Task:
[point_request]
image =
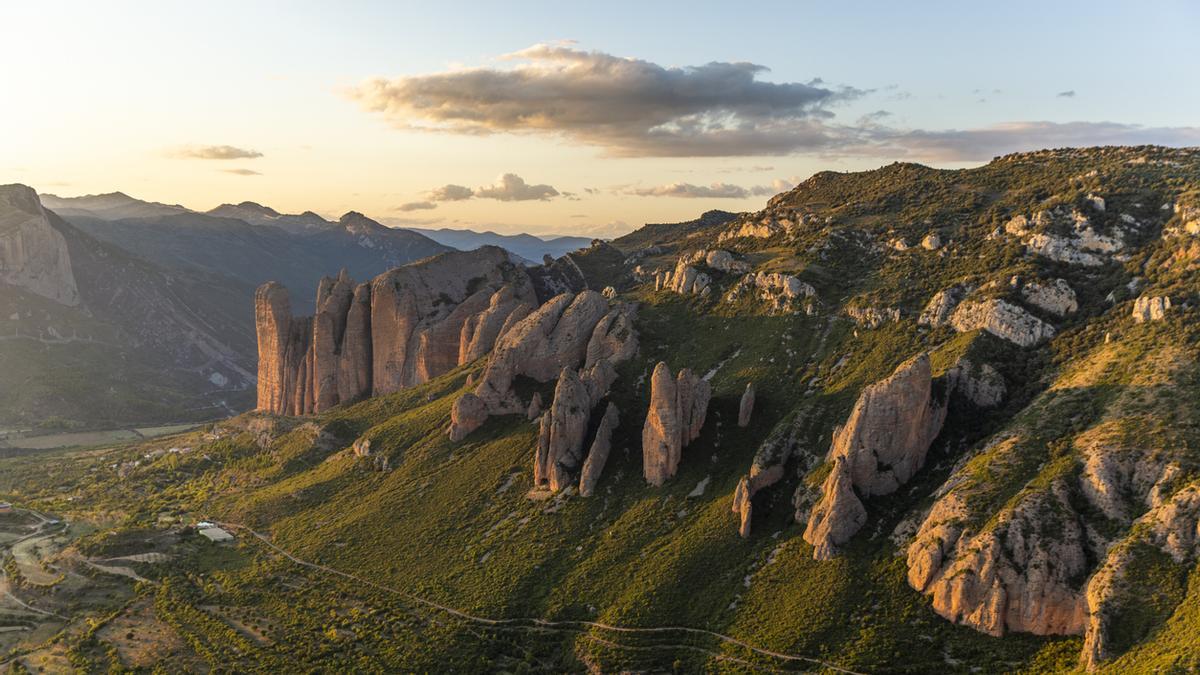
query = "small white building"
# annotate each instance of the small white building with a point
(216, 534)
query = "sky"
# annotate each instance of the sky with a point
(565, 117)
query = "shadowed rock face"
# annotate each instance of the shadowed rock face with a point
(678, 407)
(33, 255)
(403, 328)
(598, 454)
(880, 448)
(563, 427)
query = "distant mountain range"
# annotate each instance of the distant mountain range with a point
(527, 246)
(115, 310)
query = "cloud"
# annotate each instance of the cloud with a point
(636, 108)
(242, 172)
(1070, 93)
(714, 191)
(986, 142)
(417, 206)
(512, 188)
(451, 193)
(213, 152)
(508, 188)
(630, 107)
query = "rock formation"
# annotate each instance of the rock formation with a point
(873, 317)
(743, 507)
(939, 308)
(784, 292)
(562, 430)
(406, 326)
(1148, 308)
(1002, 319)
(980, 384)
(881, 446)
(33, 254)
(535, 407)
(1056, 296)
(566, 332)
(597, 456)
(466, 415)
(746, 407)
(678, 407)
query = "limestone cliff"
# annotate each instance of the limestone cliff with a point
(33, 254)
(402, 328)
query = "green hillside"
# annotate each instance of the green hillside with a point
(438, 559)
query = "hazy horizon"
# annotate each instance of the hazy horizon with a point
(592, 121)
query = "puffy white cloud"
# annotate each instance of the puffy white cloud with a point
(512, 188)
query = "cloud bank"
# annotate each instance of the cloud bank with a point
(714, 190)
(629, 106)
(213, 152)
(635, 108)
(508, 188)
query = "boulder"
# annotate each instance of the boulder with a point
(468, 414)
(597, 456)
(747, 406)
(931, 242)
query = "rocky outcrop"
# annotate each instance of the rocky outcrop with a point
(767, 468)
(552, 337)
(562, 431)
(873, 317)
(743, 506)
(1173, 528)
(480, 331)
(939, 308)
(1002, 319)
(881, 446)
(980, 384)
(535, 407)
(405, 327)
(839, 514)
(684, 280)
(1055, 297)
(567, 332)
(783, 292)
(597, 455)
(1083, 246)
(1148, 308)
(467, 414)
(334, 297)
(746, 407)
(415, 330)
(1016, 575)
(931, 242)
(614, 338)
(33, 254)
(678, 406)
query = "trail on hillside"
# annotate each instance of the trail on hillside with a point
(540, 623)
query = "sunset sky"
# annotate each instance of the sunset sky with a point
(559, 117)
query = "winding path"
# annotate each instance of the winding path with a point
(539, 622)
